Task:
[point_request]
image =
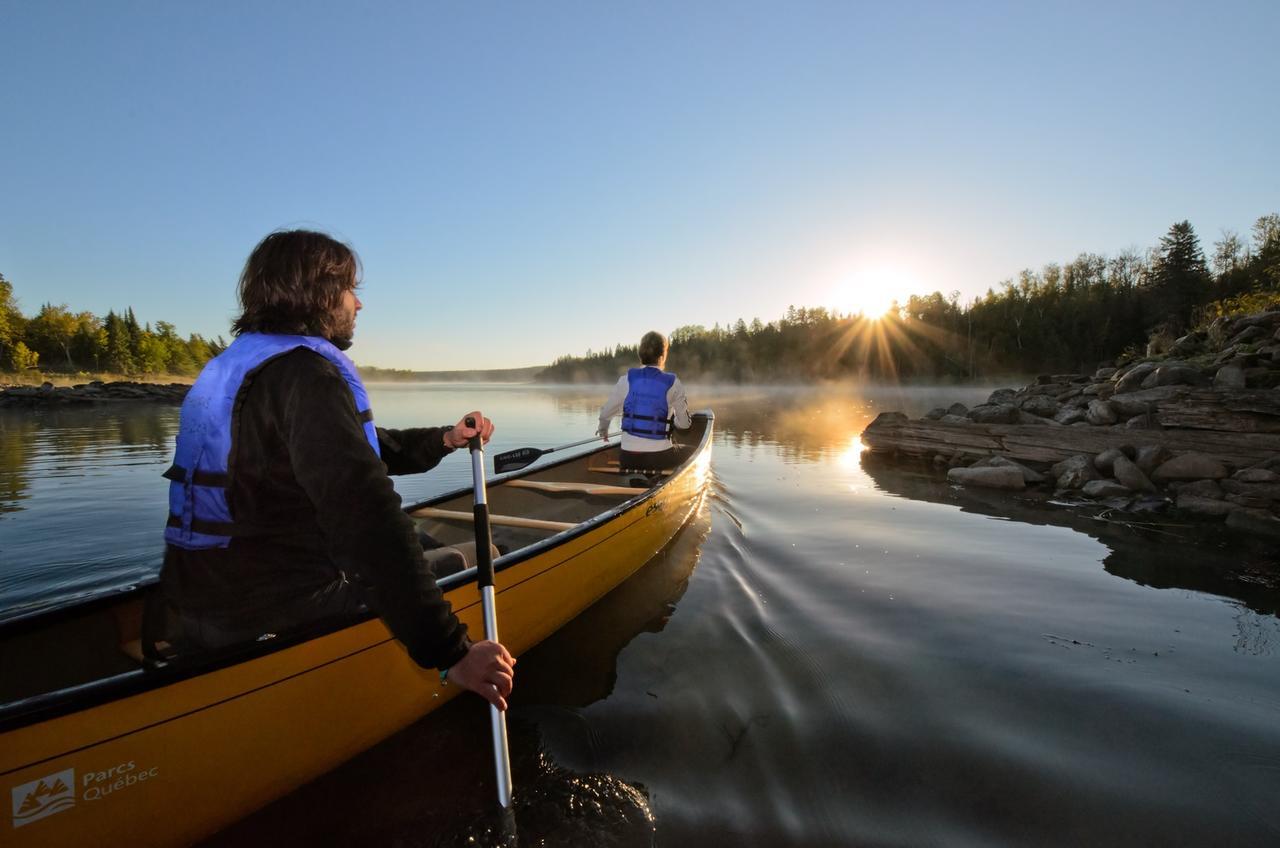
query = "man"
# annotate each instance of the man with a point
(281, 510)
(651, 401)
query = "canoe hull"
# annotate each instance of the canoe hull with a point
(174, 764)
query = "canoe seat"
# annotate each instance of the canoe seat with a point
(580, 488)
(499, 520)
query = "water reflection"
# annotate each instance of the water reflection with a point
(1160, 553)
(432, 784)
(17, 449)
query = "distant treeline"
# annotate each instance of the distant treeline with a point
(494, 375)
(57, 339)
(1059, 319)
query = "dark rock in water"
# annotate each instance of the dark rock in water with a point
(935, 413)
(958, 409)
(1030, 476)
(990, 477)
(1071, 415)
(1190, 466)
(1204, 506)
(1262, 490)
(1254, 521)
(1200, 488)
(1104, 489)
(1149, 503)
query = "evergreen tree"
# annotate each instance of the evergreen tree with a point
(1179, 279)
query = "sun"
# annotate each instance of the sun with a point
(873, 291)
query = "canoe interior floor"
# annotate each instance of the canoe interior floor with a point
(69, 652)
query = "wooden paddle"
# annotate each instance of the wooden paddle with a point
(514, 460)
(484, 580)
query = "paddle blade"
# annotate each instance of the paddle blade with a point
(514, 460)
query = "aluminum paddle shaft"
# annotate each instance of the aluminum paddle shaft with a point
(484, 580)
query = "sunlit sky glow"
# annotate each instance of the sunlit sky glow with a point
(528, 180)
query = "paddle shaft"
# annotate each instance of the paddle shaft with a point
(484, 580)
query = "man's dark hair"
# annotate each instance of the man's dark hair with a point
(292, 283)
(653, 346)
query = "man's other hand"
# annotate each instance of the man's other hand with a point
(461, 433)
(487, 669)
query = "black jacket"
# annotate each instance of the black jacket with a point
(300, 465)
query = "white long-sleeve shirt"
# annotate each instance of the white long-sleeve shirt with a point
(677, 408)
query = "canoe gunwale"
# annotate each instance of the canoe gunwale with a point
(50, 705)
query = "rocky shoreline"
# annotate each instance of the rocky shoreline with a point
(97, 391)
(1192, 430)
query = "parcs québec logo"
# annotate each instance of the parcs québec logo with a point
(42, 798)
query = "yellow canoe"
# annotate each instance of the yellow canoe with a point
(98, 747)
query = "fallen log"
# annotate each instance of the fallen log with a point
(893, 432)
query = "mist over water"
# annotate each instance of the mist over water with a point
(832, 652)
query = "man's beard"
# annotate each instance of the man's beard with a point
(342, 334)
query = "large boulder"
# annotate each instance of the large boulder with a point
(1150, 456)
(988, 477)
(1101, 413)
(1107, 458)
(1070, 415)
(1005, 413)
(1147, 400)
(1000, 396)
(1174, 374)
(1256, 475)
(1042, 405)
(957, 409)
(1131, 379)
(1074, 472)
(1129, 475)
(1190, 466)
(1230, 376)
(1254, 333)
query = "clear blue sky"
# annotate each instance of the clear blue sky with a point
(524, 180)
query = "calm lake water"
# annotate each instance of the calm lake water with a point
(833, 652)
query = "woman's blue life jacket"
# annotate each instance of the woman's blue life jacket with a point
(199, 515)
(644, 412)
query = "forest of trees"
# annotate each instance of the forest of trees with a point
(56, 339)
(1066, 318)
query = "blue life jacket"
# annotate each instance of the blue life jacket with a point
(199, 515)
(644, 412)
